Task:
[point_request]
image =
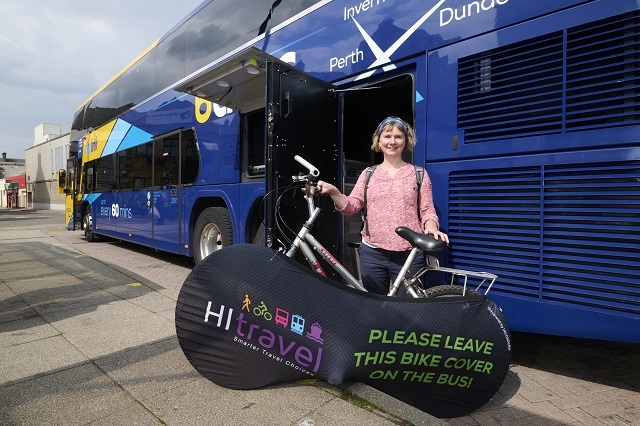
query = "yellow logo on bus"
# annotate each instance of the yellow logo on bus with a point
(204, 108)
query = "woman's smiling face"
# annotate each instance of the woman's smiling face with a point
(392, 141)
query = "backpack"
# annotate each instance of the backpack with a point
(370, 170)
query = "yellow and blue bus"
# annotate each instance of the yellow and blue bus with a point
(526, 112)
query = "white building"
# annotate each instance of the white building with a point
(49, 153)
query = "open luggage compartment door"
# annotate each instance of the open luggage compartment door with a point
(302, 119)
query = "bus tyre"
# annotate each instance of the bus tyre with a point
(89, 235)
(212, 232)
(258, 238)
(450, 291)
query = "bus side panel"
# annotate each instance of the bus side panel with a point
(541, 318)
(165, 219)
(561, 232)
(68, 212)
(132, 213)
(100, 207)
(532, 152)
(122, 215)
(503, 93)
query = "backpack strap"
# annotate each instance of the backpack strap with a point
(419, 176)
(363, 214)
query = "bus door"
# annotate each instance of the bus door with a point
(68, 185)
(165, 192)
(302, 119)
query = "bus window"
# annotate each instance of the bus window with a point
(134, 167)
(190, 158)
(105, 174)
(252, 138)
(62, 181)
(165, 157)
(88, 178)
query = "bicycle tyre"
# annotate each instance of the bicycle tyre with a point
(449, 291)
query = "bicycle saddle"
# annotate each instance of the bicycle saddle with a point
(427, 243)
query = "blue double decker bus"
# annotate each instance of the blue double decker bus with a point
(526, 113)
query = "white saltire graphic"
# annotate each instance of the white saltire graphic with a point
(383, 57)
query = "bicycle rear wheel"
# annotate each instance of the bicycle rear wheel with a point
(449, 291)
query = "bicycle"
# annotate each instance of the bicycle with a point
(305, 242)
(261, 310)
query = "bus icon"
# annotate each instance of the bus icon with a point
(282, 317)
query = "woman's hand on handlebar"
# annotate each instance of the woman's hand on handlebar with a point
(325, 188)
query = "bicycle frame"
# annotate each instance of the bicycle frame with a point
(305, 241)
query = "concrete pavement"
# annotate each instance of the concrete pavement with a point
(83, 342)
(88, 341)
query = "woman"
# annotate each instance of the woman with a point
(391, 201)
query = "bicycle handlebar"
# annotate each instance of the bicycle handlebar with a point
(313, 171)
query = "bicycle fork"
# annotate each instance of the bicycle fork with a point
(298, 243)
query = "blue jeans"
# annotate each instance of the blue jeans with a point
(379, 268)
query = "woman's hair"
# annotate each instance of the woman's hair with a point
(398, 123)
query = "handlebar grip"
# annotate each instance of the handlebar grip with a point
(312, 169)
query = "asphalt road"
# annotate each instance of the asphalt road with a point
(29, 219)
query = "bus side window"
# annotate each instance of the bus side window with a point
(165, 158)
(190, 158)
(133, 168)
(89, 181)
(105, 178)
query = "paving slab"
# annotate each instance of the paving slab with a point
(99, 330)
(136, 416)
(20, 331)
(41, 357)
(75, 396)
(149, 370)
(204, 403)
(8, 258)
(12, 307)
(58, 283)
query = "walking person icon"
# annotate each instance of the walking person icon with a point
(246, 303)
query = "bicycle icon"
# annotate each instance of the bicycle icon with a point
(261, 310)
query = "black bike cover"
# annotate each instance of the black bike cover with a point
(248, 317)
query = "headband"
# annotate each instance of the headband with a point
(390, 120)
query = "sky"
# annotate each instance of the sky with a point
(56, 54)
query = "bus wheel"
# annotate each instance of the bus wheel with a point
(88, 226)
(449, 291)
(212, 232)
